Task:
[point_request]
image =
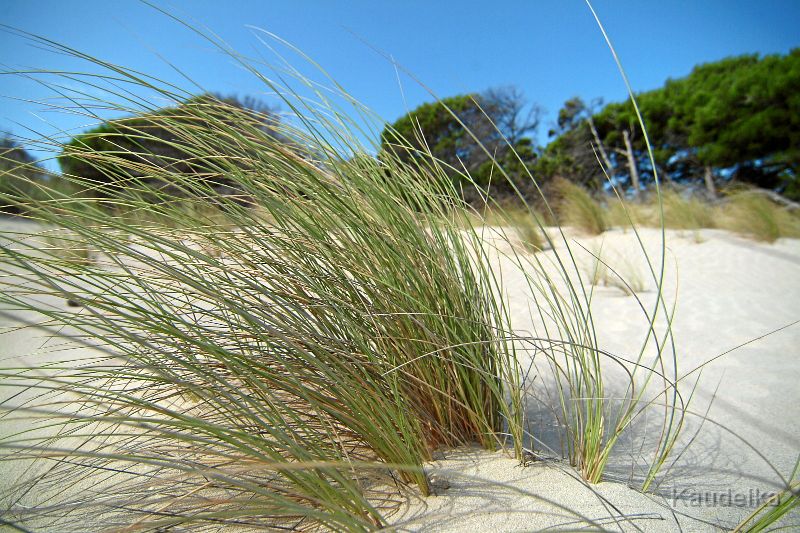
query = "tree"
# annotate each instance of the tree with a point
(128, 149)
(512, 115)
(473, 135)
(739, 116)
(744, 113)
(576, 146)
(19, 176)
(618, 128)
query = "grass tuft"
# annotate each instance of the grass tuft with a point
(624, 214)
(686, 213)
(773, 509)
(287, 353)
(614, 270)
(578, 209)
(757, 217)
(68, 246)
(524, 223)
(289, 356)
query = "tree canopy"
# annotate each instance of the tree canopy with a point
(467, 134)
(743, 113)
(19, 174)
(571, 154)
(112, 152)
(738, 117)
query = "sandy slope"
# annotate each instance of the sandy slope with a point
(729, 291)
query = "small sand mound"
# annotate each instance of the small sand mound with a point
(492, 492)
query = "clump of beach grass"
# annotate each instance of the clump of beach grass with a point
(298, 369)
(578, 209)
(614, 270)
(755, 216)
(68, 246)
(288, 368)
(623, 214)
(687, 213)
(528, 231)
(523, 221)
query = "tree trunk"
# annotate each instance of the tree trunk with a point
(709, 179)
(600, 147)
(631, 163)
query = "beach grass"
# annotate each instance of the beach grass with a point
(521, 220)
(288, 367)
(577, 208)
(614, 270)
(686, 213)
(767, 515)
(757, 217)
(291, 355)
(620, 213)
(746, 212)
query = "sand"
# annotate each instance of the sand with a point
(730, 291)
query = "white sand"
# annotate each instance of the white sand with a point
(491, 492)
(729, 291)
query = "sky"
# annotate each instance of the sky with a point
(390, 55)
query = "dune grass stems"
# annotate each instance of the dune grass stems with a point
(686, 213)
(287, 354)
(585, 409)
(774, 508)
(527, 227)
(578, 209)
(756, 217)
(330, 328)
(674, 405)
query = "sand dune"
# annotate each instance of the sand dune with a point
(729, 292)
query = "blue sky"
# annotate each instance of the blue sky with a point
(550, 49)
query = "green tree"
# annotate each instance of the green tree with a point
(576, 151)
(20, 176)
(744, 112)
(740, 115)
(479, 136)
(110, 153)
